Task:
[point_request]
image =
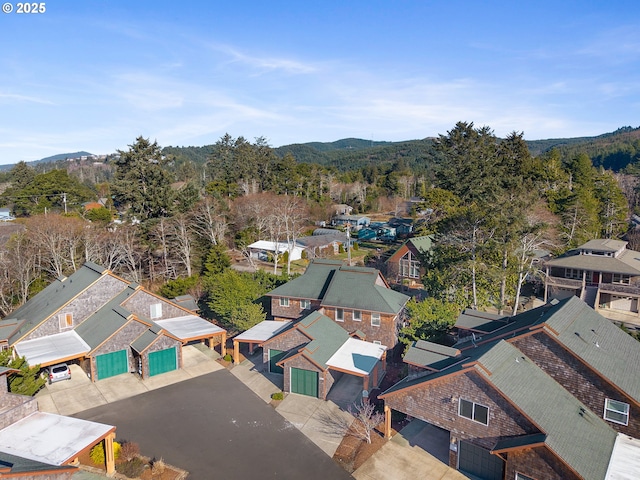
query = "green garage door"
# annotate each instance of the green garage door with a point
(304, 382)
(479, 462)
(163, 361)
(111, 364)
(274, 357)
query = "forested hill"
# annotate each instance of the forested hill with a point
(612, 151)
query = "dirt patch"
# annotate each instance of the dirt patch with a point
(353, 452)
(170, 472)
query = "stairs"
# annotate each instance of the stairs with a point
(589, 295)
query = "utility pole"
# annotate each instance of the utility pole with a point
(349, 244)
(64, 200)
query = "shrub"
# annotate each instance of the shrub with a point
(132, 469)
(277, 396)
(158, 467)
(341, 249)
(97, 453)
(227, 358)
(356, 247)
(129, 450)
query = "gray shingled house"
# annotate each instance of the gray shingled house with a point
(105, 324)
(551, 393)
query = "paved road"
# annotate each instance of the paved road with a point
(215, 427)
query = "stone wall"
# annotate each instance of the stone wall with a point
(81, 307)
(581, 381)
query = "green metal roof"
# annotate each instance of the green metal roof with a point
(423, 244)
(52, 298)
(327, 337)
(478, 321)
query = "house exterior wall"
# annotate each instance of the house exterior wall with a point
(538, 463)
(15, 408)
(140, 304)
(325, 380)
(120, 341)
(162, 343)
(581, 381)
(81, 307)
(437, 402)
(52, 475)
(285, 342)
(386, 333)
(293, 311)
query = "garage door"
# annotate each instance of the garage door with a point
(479, 462)
(163, 361)
(274, 357)
(304, 382)
(111, 364)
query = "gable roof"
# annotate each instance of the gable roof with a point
(627, 262)
(422, 244)
(339, 285)
(52, 298)
(574, 433)
(326, 337)
(431, 355)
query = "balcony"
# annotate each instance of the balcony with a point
(564, 282)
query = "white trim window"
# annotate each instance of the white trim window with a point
(284, 302)
(339, 314)
(375, 319)
(155, 311)
(573, 273)
(616, 412)
(520, 476)
(65, 320)
(357, 315)
(621, 279)
(473, 411)
(305, 304)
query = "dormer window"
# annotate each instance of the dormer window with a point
(155, 311)
(65, 320)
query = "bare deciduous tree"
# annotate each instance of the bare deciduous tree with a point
(367, 419)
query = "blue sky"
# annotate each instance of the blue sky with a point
(94, 74)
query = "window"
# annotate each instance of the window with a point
(618, 278)
(284, 302)
(617, 412)
(339, 315)
(520, 476)
(377, 342)
(375, 319)
(305, 304)
(573, 273)
(65, 320)
(156, 310)
(357, 315)
(473, 411)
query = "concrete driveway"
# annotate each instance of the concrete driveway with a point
(215, 427)
(72, 396)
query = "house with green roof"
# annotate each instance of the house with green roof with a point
(406, 264)
(528, 395)
(316, 352)
(107, 325)
(357, 298)
(602, 272)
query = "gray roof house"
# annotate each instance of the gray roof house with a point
(551, 393)
(105, 324)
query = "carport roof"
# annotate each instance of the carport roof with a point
(189, 327)
(15, 465)
(263, 331)
(49, 350)
(51, 439)
(357, 356)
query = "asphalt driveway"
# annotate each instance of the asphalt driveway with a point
(216, 427)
